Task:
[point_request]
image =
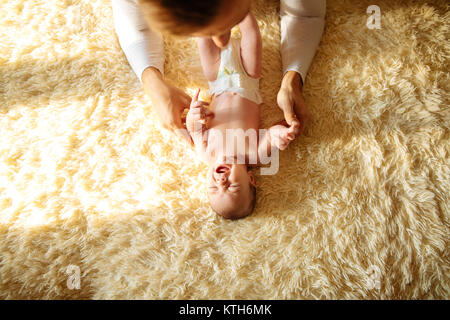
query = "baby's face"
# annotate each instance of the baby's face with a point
(229, 189)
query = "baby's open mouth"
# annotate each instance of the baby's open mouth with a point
(222, 168)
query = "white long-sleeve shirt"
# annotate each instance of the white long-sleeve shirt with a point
(302, 23)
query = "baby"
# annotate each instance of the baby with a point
(233, 74)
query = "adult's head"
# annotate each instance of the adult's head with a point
(200, 18)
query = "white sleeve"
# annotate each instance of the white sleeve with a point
(302, 24)
(142, 47)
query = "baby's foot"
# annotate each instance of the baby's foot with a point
(281, 136)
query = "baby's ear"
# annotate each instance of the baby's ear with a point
(252, 178)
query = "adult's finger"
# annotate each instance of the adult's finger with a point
(208, 113)
(302, 113)
(295, 127)
(186, 102)
(183, 134)
(289, 115)
(286, 104)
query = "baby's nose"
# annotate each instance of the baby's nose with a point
(221, 178)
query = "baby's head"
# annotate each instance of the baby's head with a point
(231, 190)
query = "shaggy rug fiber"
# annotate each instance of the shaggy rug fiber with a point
(91, 183)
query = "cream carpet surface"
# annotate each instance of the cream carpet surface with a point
(90, 181)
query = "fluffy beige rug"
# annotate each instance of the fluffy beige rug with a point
(90, 181)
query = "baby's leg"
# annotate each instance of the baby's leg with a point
(209, 57)
(251, 46)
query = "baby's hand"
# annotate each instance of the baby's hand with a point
(198, 114)
(281, 136)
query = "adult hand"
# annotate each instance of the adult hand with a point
(291, 102)
(168, 101)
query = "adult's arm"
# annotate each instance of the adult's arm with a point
(302, 24)
(144, 50)
(142, 47)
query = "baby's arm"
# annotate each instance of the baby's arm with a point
(277, 136)
(251, 46)
(196, 123)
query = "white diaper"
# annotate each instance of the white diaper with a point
(232, 76)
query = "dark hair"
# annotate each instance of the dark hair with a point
(181, 17)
